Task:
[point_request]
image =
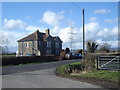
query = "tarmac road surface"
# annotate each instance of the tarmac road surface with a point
(39, 76)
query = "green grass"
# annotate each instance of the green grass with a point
(61, 70)
(97, 74)
(101, 74)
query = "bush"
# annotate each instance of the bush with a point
(79, 51)
(73, 68)
(62, 54)
(69, 68)
(89, 62)
(91, 46)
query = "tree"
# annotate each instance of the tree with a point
(91, 46)
(105, 47)
(4, 42)
(67, 50)
(62, 54)
(79, 51)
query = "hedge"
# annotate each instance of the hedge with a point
(27, 59)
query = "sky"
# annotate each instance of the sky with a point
(20, 19)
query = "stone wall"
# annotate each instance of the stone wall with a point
(38, 48)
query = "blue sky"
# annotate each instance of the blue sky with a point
(22, 18)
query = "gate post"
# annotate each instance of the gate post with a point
(97, 62)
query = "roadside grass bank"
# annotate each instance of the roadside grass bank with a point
(104, 78)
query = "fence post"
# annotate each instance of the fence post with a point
(97, 62)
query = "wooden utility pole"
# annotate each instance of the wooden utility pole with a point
(83, 34)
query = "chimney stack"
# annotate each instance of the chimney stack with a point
(47, 32)
(37, 34)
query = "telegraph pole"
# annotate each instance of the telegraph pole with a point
(83, 33)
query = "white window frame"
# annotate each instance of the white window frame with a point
(48, 44)
(39, 43)
(27, 44)
(48, 51)
(57, 45)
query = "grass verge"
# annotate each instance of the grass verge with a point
(104, 78)
(101, 74)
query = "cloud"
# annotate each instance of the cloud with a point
(94, 31)
(18, 25)
(109, 33)
(64, 34)
(12, 38)
(93, 19)
(55, 31)
(114, 31)
(71, 22)
(32, 28)
(52, 18)
(111, 20)
(108, 21)
(103, 33)
(113, 43)
(14, 24)
(102, 11)
(91, 30)
(92, 27)
(27, 17)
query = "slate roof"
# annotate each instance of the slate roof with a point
(56, 38)
(35, 36)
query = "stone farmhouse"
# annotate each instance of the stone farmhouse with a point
(39, 43)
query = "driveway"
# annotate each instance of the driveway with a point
(39, 76)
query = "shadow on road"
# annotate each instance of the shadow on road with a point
(34, 67)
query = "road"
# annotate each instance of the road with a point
(39, 76)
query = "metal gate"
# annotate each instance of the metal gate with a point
(108, 62)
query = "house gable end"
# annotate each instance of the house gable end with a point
(57, 39)
(48, 38)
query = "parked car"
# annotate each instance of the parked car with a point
(78, 56)
(30, 55)
(70, 56)
(73, 56)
